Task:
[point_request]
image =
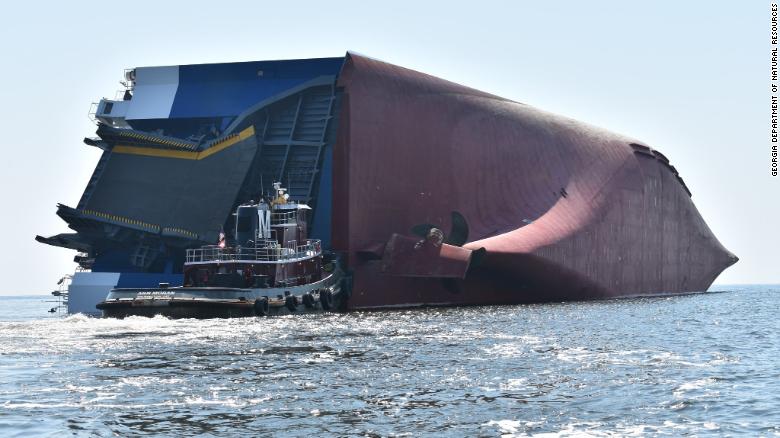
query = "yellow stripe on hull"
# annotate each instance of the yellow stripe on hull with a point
(186, 155)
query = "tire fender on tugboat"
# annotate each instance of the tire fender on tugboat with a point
(308, 300)
(291, 302)
(326, 299)
(261, 306)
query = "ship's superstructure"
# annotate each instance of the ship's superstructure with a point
(181, 147)
(430, 192)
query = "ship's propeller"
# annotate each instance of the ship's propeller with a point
(458, 236)
(459, 233)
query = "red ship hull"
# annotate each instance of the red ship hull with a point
(564, 210)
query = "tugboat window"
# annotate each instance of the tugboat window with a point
(244, 224)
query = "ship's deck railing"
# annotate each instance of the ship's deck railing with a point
(263, 251)
(287, 217)
(92, 113)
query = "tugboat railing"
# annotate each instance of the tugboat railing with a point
(268, 251)
(287, 217)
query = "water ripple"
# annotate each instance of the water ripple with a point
(698, 364)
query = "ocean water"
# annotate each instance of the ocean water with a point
(702, 364)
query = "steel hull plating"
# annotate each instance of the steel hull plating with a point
(565, 211)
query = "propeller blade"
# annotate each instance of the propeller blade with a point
(422, 229)
(460, 230)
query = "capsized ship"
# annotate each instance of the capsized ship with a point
(429, 192)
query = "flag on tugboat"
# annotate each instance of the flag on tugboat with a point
(221, 242)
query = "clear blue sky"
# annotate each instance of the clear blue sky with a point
(688, 78)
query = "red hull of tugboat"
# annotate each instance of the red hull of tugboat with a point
(565, 211)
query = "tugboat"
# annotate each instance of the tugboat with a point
(273, 269)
